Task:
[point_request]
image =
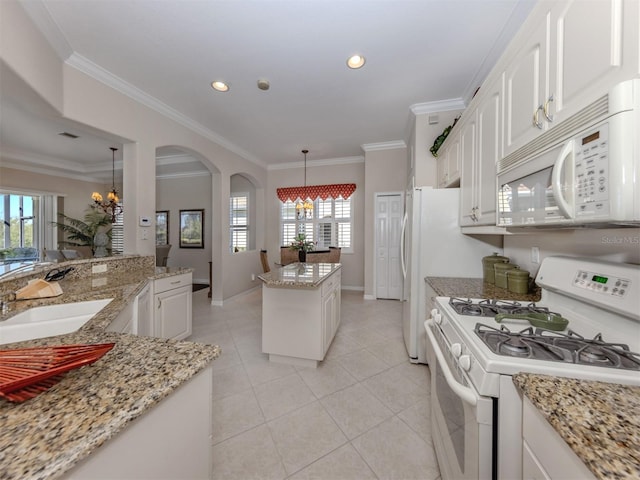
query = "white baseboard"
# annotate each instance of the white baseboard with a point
(370, 297)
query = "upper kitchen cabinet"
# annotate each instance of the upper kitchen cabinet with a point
(480, 150)
(595, 46)
(448, 163)
(570, 53)
(525, 89)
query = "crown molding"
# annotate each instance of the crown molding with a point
(317, 163)
(102, 75)
(438, 106)
(374, 147)
(47, 170)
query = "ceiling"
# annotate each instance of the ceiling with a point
(420, 55)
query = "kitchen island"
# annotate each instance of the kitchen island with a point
(93, 411)
(300, 312)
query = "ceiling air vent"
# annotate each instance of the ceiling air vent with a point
(67, 134)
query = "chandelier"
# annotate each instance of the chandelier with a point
(111, 206)
(304, 206)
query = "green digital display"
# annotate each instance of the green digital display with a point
(599, 279)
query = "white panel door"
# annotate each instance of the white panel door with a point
(389, 211)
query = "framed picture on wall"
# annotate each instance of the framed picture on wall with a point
(192, 228)
(162, 227)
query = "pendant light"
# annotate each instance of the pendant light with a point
(304, 207)
(111, 206)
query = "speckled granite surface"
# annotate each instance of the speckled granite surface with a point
(477, 288)
(299, 275)
(599, 421)
(44, 437)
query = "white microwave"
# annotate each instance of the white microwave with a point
(584, 171)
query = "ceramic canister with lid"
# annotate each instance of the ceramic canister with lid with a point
(518, 280)
(501, 273)
(487, 266)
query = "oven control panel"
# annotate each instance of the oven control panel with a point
(601, 283)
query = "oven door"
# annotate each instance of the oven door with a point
(461, 419)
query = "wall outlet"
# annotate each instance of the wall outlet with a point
(535, 255)
(253, 277)
(102, 268)
(145, 233)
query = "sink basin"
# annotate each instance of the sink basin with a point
(40, 322)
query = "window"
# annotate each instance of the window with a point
(330, 226)
(238, 222)
(117, 234)
(19, 239)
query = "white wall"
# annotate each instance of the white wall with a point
(352, 263)
(385, 171)
(616, 245)
(187, 193)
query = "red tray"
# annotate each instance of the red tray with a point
(27, 372)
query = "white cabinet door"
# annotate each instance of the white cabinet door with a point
(489, 152)
(525, 90)
(145, 312)
(173, 313)
(468, 175)
(448, 166)
(594, 46)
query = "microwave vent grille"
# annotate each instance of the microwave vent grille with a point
(582, 119)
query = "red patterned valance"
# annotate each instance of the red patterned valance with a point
(313, 192)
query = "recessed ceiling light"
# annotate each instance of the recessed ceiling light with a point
(220, 86)
(355, 61)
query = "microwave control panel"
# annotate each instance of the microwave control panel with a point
(592, 171)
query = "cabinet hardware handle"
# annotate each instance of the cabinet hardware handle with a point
(537, 122)
(545, 110)
(176, 282)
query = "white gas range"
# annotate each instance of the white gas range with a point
(476, 410)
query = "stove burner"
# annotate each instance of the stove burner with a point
(491, 307)
(567, 347)
(514, 347)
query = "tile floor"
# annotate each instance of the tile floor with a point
(362, 414)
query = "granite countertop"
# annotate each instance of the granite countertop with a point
(477, 288)
(599, 421)
(46, 436)
(299, 275)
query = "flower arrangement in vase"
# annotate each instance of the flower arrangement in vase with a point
(302, 245)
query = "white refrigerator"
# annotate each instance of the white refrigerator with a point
(433, 246)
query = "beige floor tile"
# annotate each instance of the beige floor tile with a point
(235, 414)
(229, 381)
(327, 378)
(283, 395)
(304, 436)
(418, 418)
(261, 370)
(362, 364)
(395, 452)
(396, 391)
(342, 344)
(249, 456)
(392, 352)
(342, 464)
(417, 373)
(355, 410)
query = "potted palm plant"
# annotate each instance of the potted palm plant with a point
(302, 245)
(85, 232)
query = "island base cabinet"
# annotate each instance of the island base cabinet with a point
(545, 455)
(172, 440)
(299, 324)
(173, 307)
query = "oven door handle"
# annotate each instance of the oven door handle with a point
(465, 393)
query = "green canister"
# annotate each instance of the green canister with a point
(501, 270)
(518, 280)
(488, 271)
